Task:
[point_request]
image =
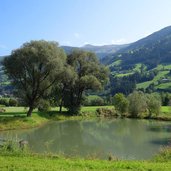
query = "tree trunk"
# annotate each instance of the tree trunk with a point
(30, 111)
(60, 107)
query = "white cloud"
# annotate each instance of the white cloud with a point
(119, 41)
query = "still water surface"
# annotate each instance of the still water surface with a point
(124, 138)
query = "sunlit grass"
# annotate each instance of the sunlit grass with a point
(47, 163)
(93, 108)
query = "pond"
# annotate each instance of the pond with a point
(124, 138)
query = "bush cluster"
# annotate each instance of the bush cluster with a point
(44, 106)
(138, 104)
(8, 102)
(105, 112)
(96, 101)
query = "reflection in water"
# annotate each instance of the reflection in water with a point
(124, 138)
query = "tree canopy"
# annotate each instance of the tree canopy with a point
(33, 69)
(89, 74)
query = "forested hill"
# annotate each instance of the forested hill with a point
(100, 51)
(1, 58)
(152, 50)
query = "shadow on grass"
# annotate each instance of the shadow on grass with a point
(52, 114)
(14, 116)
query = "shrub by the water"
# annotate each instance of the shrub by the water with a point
(164, 155)
(2, 110)
(96, 101)
(13, 102)
(121, 103)
(4, 101)
(105, 112)
(13, 147)
(141, 104)
(44, 106)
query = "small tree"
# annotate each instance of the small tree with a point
(95, 101)
(13, 102)
(44, 105)
(137, 103)
(4, 101)
(33, 69)
(121, 103)
(153, 104)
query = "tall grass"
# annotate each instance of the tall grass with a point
(11, 146)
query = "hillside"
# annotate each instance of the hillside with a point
(152, 50)
(5, 87)
(1, 58)
(100, 51)
(146, 62)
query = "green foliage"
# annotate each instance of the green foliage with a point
(141, 104)
(8, 102)
(4, 101)
(33, 69)
(44, 106)
(93, 101)
(123, 85)
(166, 98)
(153, 104)
(137, 103)
(106, 112)
(2, 110)
(164, 155)
(12, 147)
(89, 75)
(13, 102)
(121, 103)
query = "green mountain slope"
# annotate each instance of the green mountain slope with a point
(152, 50)
(145, 63)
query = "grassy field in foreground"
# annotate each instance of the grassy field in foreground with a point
(30, 163)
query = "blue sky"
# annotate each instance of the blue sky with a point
(79, 22)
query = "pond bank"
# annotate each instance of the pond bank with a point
(15, 117)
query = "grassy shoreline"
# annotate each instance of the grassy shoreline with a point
(15, 117)
(27, 162)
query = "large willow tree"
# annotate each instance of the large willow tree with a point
(34, 69)
(88, 73)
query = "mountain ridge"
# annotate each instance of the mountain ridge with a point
(152, 50)
(101, 51)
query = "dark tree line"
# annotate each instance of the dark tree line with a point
(127, 84)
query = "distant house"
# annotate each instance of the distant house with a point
(165, 80)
